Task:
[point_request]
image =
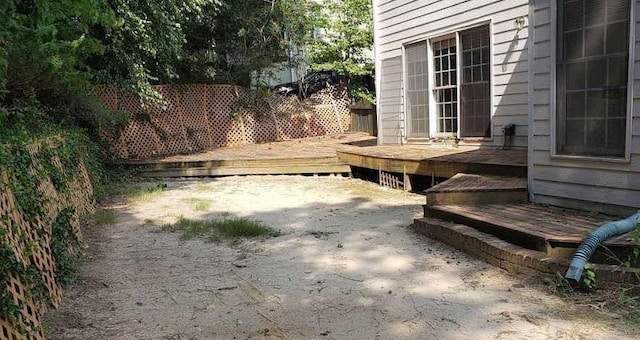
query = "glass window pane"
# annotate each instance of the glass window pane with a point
(617, 107)
(616, 136)
(596, 133)
(575, 76)
(575, 134)
(575, 105)
(596, 104)
(618, 67)
(617, 40)
(596, 73)
(594, 12)
(594, 41)
(485, 55)
(573, 45)
(466, 58)
(573, 15)
(617, 10)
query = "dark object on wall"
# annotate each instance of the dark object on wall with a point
(509, 131)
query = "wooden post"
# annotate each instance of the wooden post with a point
(407, 182)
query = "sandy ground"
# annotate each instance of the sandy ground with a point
(346, 267)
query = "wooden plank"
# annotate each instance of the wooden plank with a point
(233, 171)
(530, 221)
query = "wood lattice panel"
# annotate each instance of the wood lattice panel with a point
(200, 117)
(31, 239)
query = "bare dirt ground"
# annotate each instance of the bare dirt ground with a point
(346, 267)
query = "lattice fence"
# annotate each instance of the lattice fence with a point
(201, 117)
(31, 240)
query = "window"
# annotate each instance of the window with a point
(445, 89)
(475, 90)
(458, 103)
(592, 77)
(417, 84)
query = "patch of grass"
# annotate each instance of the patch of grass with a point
(221, 228)
(138, 194)
(104, 217)
(200, 204)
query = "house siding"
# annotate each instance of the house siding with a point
(606, 186)
(401, 22)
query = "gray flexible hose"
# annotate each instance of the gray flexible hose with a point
(591, 243)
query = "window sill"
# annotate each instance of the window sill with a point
(591, 159)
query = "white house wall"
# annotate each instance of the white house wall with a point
(599, 185)
(400, 22)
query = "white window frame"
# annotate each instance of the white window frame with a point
(554, 92)
(429, 39)
(433, 117)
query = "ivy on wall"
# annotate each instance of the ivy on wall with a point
(27, 163)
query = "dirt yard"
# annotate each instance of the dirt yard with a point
(347, 266)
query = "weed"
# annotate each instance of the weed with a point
(200, 204)
(589, 276)
(223, 227)
(103, 217)
(143, 193)
(559, 285)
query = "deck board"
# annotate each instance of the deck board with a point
(469, 183)
(334, 154)
(438, 161)
(547, 224)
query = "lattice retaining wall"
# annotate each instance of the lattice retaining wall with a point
(201, 117)
(30, 239)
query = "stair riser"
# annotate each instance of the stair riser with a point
(495, 197)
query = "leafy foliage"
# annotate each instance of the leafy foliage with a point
(345, 45)
(156, 42)
(24, 170)
(254, 35)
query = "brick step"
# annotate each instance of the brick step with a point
(511, 257)
(478, 189)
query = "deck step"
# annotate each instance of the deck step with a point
(478, 189)
(553, 231)
(510, 256)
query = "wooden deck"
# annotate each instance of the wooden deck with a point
(315, 155)
(529, 225)
(335, 154)
(437, 161)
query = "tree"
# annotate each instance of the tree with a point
(44, 44)
(254, 35)
(345, 45)
(157, 42)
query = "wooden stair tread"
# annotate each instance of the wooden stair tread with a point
(544, 223)
(479, 183)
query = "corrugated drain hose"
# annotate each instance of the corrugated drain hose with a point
(591, 243)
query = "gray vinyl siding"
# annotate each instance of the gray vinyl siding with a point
(606, 186)
(401, 22)
(390, 101)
